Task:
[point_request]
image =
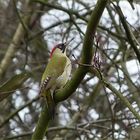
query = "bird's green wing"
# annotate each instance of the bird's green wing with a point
(53, 70)
(55, 67)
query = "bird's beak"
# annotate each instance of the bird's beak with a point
(64, 47)
(66, 44)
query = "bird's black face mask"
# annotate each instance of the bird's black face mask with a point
(62, 47)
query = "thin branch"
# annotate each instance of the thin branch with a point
(116, 92)
(68, 11)
(17, 111)
(131, 38)
(122, 98)
(20, 18)
(14, 45)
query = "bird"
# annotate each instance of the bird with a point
(55, 76)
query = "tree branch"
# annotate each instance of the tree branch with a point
(115, 91)
(86, 55)
(130, 36)
(86, 58)
(15, 44)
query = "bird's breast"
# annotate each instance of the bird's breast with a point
(62, 80)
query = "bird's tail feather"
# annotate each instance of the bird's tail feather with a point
(51, 105)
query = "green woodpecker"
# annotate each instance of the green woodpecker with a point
(55, 76)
